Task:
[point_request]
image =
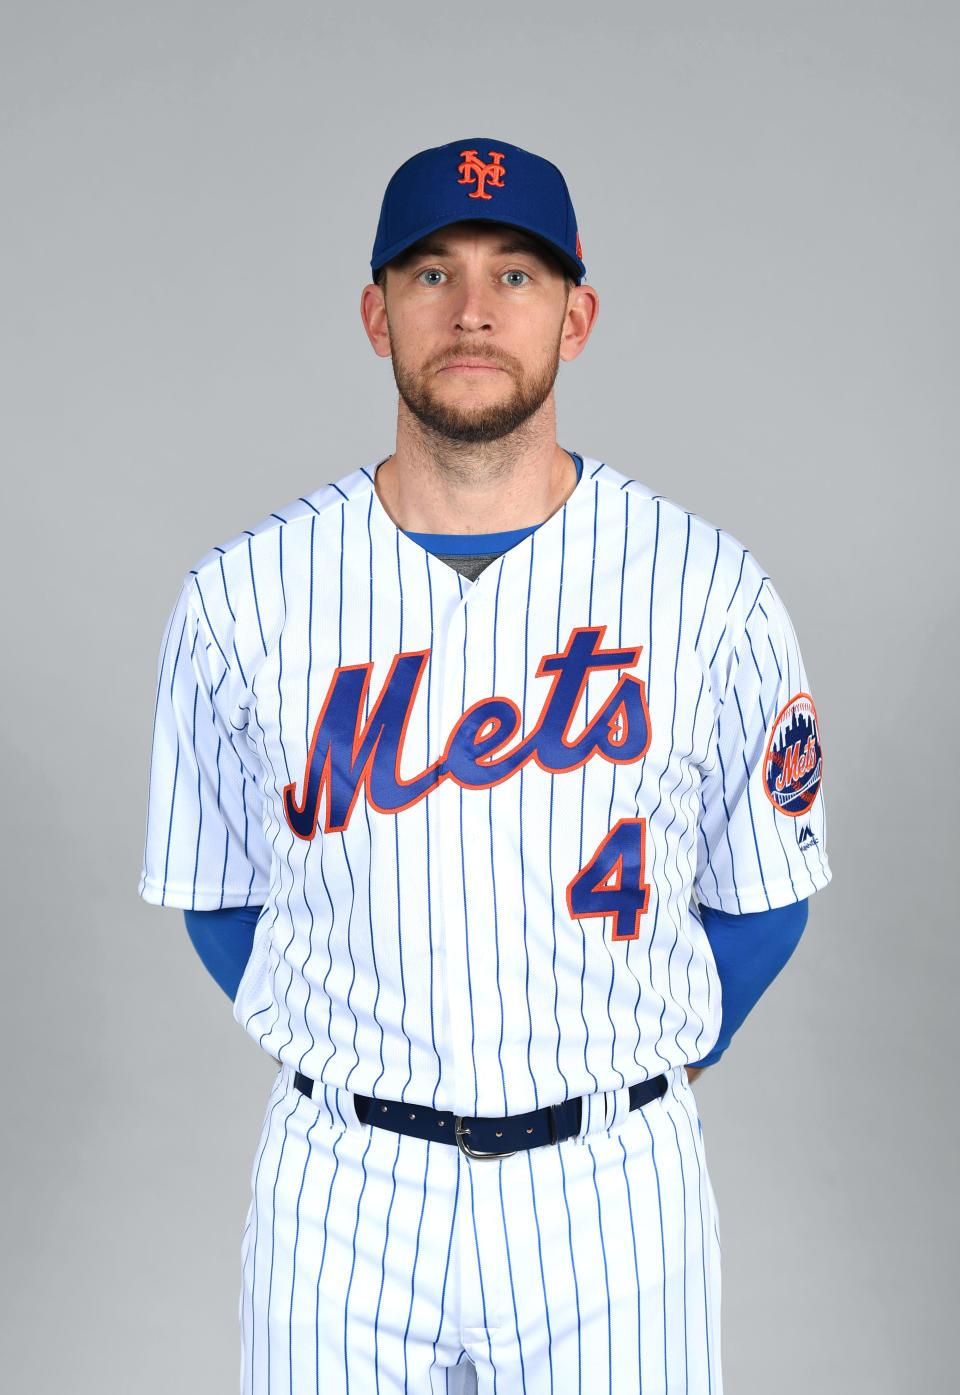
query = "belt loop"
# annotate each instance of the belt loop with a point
(618, 1108)
(334, 1104)
(592, 1110)
(603, 1111)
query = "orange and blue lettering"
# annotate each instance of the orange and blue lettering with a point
(345, 756)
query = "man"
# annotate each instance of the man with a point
(501, 765)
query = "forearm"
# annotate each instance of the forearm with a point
(223, 939)
(749, 951)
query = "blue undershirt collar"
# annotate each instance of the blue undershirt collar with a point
(480, 544)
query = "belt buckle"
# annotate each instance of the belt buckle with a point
(465, 1147)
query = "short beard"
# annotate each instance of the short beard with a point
(481, 424)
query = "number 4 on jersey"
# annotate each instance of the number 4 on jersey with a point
(612, 881)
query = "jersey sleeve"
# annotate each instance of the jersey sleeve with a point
(205, 846)
(762, 839)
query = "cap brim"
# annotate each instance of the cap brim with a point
(576, 268)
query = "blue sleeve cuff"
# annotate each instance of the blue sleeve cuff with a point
(223, 939)
(749, 951)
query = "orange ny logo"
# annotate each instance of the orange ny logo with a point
(473, 169)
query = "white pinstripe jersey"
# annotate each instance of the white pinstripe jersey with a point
(479, 815)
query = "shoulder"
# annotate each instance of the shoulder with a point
(238, 586)
(733, 573)
(290, 521)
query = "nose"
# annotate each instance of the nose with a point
(473, 309)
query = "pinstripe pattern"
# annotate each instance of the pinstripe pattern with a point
(377, 1262)
(425, 951)
(427, 954)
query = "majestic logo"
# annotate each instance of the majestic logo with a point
(473, 170)
(347, 754)
(806, 838)
(793, 763)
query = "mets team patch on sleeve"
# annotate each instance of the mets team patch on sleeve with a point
(793, 762)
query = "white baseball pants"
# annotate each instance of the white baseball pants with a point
(375, 1263)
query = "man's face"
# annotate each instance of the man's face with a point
(475, 319)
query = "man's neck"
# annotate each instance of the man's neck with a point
(430, 485)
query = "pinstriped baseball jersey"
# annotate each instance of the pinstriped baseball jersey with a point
(480, 816)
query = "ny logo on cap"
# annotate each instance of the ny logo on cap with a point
(473, 169)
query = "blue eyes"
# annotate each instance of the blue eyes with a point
(432, 276)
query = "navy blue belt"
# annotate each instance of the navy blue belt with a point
(484, 1138)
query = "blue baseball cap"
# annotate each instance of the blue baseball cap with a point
(477, 179)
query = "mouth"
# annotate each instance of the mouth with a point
(471, 365)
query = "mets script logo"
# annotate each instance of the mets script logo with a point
(793, 763)
(347, 754)
(473, 170)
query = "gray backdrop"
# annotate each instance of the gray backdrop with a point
(768, 202)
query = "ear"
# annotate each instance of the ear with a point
(373, 312)
(583, 304)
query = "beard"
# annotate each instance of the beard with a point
(483, 422)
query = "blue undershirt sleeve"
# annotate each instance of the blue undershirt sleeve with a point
(223, 939)
(749, 951)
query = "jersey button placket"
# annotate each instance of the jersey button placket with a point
(453, 847)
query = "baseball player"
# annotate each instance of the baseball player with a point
(489, 782)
